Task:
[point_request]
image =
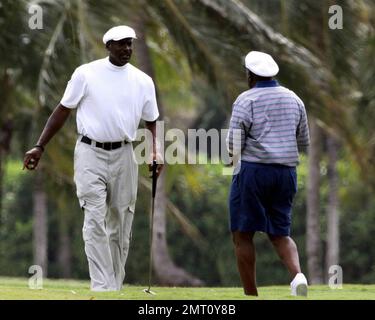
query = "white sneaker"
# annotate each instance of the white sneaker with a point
(299, 285)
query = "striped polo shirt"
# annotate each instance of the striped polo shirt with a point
(269, 125)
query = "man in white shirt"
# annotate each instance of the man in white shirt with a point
(111, 97)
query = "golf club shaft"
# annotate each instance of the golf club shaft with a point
(151, 238)
(153, 192)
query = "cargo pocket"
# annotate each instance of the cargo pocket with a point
(129, 222)
(82, 204)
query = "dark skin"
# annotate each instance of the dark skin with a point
(119, 54)
(120, 51)
(252, 78)
(244, 246)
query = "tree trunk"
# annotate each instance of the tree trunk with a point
(40, 227)
(313, 247)
(333, 243)
(166, 271)
(2, 170)
(65, 253)
(6, 131)
(6, 126)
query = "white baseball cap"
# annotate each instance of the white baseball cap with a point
(261, 64)
(118, 33)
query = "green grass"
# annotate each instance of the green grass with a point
(18, 289)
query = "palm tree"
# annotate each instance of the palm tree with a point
(313, 239)
(308, 64)
(40, 225)
(56, 58)
(214, 35)
(167, 272)
(333, 230)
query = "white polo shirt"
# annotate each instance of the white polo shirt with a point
(110, 100)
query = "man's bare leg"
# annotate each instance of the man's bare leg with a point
(245, 253)
(286, 248)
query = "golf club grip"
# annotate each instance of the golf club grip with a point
(154, 177)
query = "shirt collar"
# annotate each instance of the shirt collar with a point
(114, 67)
(266, 84)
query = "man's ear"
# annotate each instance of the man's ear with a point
(108, 44)
(251, 79)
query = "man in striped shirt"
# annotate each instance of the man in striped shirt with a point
(273, 127)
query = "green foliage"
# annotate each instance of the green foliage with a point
(357, 226)
(205, 204)
(15, 223)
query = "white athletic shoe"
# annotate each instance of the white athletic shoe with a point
(299, 285)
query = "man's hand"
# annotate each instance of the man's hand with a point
(159, 163)
(32, 157)
(54, 123)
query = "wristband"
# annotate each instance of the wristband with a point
(39, 146)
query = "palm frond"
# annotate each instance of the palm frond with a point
(192, 42)
(44, 77)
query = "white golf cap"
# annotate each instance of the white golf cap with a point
(118, 33)
(261, 64)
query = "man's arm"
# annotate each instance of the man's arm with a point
(53, 125)
(239, 125)
(302, 134)
(151, 125)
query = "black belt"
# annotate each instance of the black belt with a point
(104, 145)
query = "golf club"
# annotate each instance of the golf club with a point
(154, 178)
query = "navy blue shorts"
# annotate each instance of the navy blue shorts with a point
(261, 198)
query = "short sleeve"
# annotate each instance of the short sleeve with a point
(75, 90)
(150, 110)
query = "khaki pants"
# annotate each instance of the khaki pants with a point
(106, 184)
